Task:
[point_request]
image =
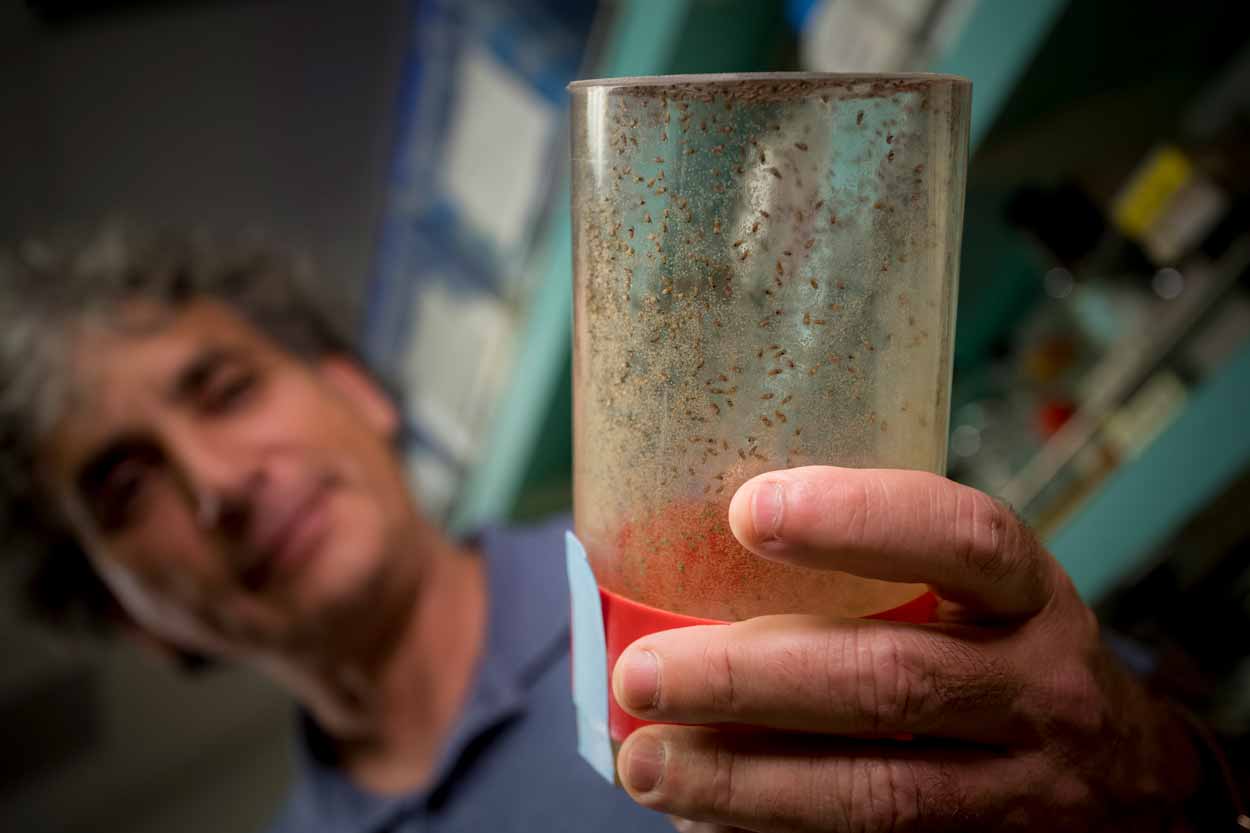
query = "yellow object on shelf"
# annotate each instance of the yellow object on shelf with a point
(1147, 195)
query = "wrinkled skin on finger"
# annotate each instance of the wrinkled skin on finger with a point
(689, 826)
(1006, 713)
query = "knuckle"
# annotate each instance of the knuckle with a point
(722, 798)
(856, 501)
(850, 687)
(921, 693)
(834, 791)
(991, 542)
(906, 797)
(718, 675)
(884, 797)
(894, 690)
(980, 533)
(1070, 795)
(1080, 709)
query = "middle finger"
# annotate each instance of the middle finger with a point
(777, 783)
(812, 674)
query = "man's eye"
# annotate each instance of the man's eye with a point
(120, 495)
(229, 392)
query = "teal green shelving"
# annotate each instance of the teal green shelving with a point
(1064, 48)
(1148, 501)
(993, 48)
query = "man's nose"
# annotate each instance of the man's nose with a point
(219, 479)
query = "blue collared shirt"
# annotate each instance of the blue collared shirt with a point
(511, 763)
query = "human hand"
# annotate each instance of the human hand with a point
(1018, 718)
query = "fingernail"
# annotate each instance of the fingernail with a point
(640, 680)
(767, 506)
(645, 768)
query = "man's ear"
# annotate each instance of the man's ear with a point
(350, 381)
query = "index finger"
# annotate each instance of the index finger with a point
(896, 525)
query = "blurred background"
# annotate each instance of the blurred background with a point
(417, 150)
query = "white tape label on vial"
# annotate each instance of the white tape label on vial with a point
(590, 661)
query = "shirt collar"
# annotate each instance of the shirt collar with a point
(527, 630)
(529, 599)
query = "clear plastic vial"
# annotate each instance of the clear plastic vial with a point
(765, 272)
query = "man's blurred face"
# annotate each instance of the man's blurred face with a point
(237, 500)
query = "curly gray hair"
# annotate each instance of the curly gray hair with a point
(51, 288)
